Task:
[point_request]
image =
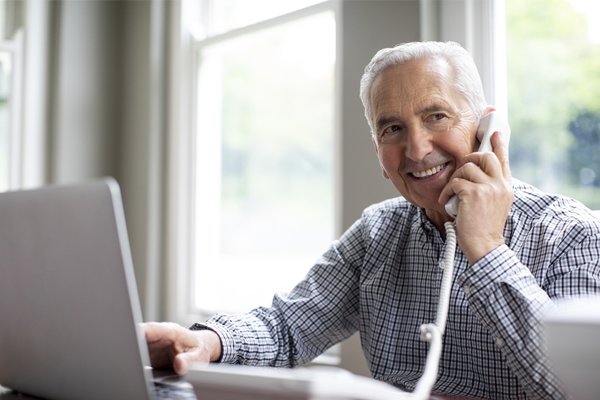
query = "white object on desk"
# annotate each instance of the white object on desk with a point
(573, 338)
(228, 382)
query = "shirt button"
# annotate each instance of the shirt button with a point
(499, 342)
(466, 289)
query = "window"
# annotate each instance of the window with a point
(11, 92)
(10, 89)
(264, 158)
(215, 17)
(5, 86)
(553, 58)
(361, 28)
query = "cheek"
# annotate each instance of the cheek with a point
(459, 142)
(469, 141)
(389, 159)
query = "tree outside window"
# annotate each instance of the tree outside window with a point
(553, 84)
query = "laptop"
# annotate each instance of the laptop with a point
(69, 308)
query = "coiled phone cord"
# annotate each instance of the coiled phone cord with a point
(432, 333)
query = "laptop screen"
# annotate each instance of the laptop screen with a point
(68, 299)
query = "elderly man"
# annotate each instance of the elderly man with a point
(519, 250)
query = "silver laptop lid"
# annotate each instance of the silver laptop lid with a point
(68, 301)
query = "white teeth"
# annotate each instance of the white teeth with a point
(429, 172)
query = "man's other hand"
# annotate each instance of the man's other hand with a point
(172, 346)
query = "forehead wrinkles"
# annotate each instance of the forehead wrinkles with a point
(407, 89)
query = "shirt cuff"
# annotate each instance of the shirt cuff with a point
(500, 264)
(228, 353)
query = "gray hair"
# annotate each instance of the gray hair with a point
(466, 78)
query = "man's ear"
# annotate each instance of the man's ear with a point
(385, 175)
(488, 110)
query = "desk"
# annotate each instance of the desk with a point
(177, 390)
(7, 394)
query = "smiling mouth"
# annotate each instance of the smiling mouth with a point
(429, 172)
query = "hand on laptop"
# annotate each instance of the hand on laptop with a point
(172, 346)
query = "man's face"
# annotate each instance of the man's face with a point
(423, 129)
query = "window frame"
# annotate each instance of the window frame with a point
(14, 46)
(480, 27)
(30, 86)
(180, 213)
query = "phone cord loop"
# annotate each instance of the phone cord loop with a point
(432, 333)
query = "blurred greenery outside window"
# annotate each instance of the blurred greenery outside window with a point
(264, 159)
(553, 59)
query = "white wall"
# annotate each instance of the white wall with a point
(86, 97)
(143, 144)
(367, 26)
(104, 88)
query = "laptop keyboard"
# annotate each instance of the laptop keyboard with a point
(179, 391)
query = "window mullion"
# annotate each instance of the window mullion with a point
(478, 27)
(262, 25)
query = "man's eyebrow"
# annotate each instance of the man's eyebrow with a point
(383, 121)
(436, 107)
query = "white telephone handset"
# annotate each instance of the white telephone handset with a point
(489, 124)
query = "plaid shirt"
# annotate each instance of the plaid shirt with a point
(382, 277)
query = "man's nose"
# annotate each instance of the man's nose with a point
(418, 143)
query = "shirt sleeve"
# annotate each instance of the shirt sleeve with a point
(511, 302)
(322, 310)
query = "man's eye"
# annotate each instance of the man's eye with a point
(437, 117)
(391, 129)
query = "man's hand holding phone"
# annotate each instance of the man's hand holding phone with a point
(482, 181)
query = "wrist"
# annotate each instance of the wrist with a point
(212, 342)
(476, 253)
